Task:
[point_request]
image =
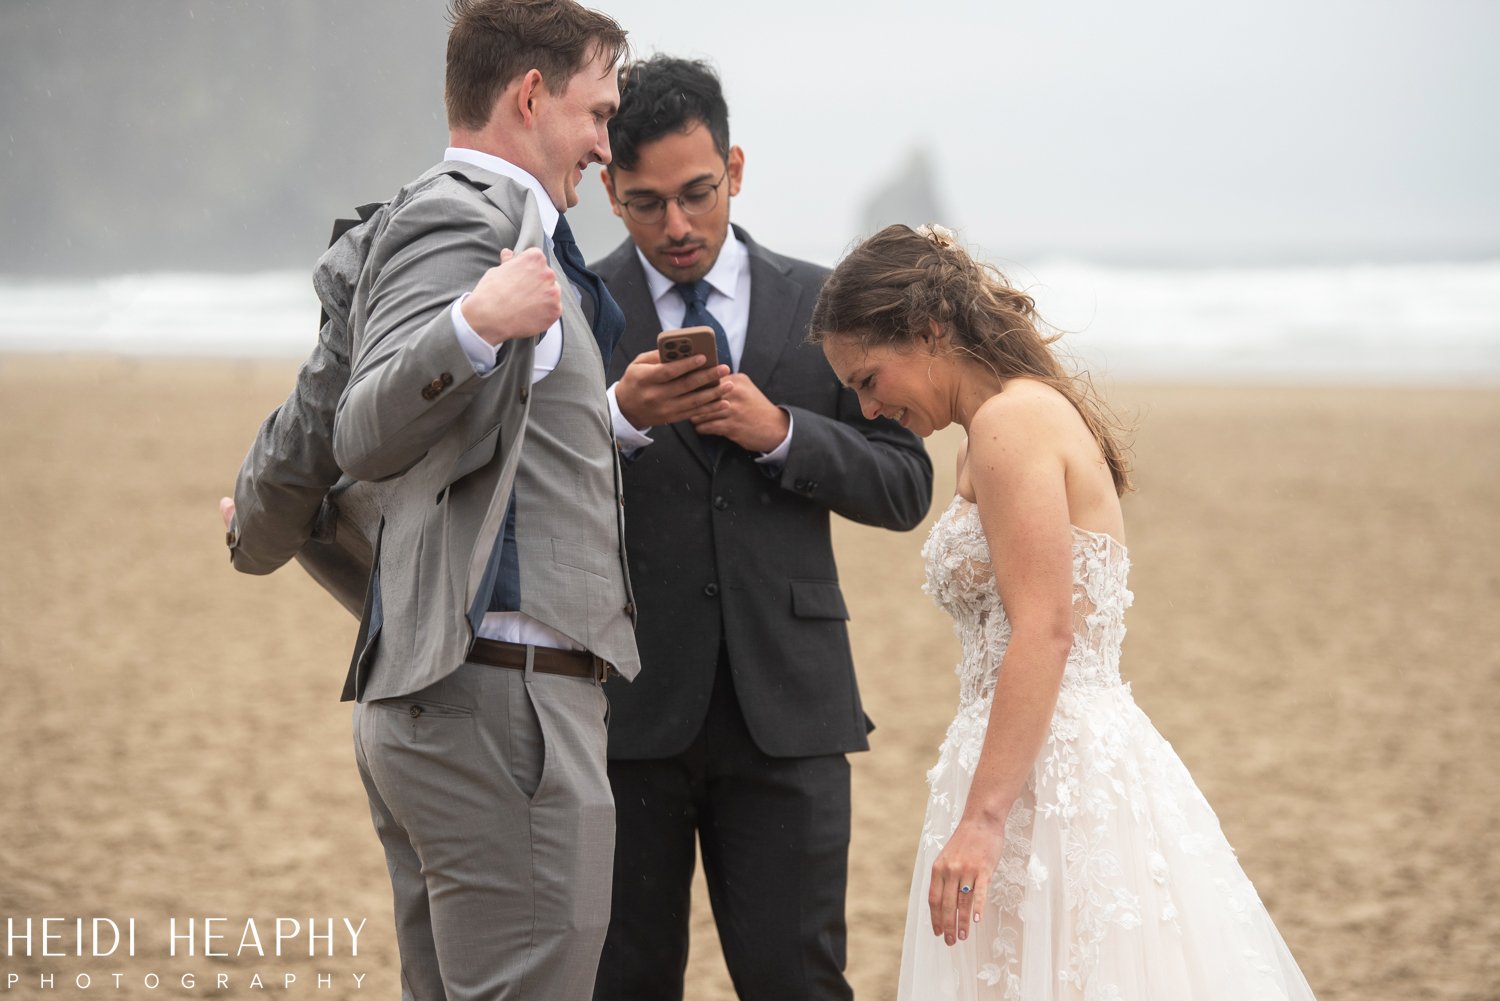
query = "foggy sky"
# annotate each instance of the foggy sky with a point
(1150, 131)
(1161, 127)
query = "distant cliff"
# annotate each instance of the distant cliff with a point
(191, 134)
(206, 135)
(910, 196)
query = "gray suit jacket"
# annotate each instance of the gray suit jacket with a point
(410, 423)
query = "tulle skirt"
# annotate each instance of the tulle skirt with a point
(1115, 882)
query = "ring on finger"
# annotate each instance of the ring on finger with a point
(966, 888)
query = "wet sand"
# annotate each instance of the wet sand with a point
(1317, 577)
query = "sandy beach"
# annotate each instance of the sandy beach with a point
(1317, 578)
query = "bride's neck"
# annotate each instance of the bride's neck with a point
(974, 385)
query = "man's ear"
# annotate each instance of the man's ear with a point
(736, 165)
(607, 179)
(526, 96)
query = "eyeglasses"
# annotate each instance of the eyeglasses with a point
(695, 199)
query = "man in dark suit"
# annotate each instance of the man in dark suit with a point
(739, 723)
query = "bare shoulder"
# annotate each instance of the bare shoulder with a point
(1028, 414)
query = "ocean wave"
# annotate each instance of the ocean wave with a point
(1392, 322)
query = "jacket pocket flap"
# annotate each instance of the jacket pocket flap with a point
(581, 557)
(818, 599)
(476, 455)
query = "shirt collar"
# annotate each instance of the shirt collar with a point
(505, 168)
(724, 276)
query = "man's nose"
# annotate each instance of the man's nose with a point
(868, 407)
(676, 221)
(601, 147)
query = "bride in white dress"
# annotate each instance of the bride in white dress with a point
(1066, 854)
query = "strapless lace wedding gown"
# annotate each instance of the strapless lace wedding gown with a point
(1115, 882)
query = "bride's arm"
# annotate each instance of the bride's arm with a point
(1018, 473)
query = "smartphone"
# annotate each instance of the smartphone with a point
(677, 344)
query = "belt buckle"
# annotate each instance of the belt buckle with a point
(601, 668)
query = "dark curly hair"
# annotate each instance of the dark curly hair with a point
(891, 287)
(664, 94)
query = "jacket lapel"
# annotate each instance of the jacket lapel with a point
(773, 303)
(627, 283)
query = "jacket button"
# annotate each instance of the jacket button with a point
(525, 393)
(630, 609)
(720, 503)
(428, 393)
(415, 711)
(447, 378)
(711, 589)
(800, 485)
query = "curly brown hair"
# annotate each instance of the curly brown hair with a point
(891, 288)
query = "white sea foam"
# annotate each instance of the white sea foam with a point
(263, 314)
(1371, 323)
(1405, 322)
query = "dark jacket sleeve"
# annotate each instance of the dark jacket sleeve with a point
(873, 472)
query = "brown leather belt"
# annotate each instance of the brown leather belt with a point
(569, 663)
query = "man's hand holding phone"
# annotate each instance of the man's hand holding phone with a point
(680, 380)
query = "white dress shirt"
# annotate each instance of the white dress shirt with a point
(729, 302)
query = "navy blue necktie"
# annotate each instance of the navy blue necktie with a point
(695, 296)
(605, 315)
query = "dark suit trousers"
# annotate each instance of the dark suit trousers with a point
(774, 834)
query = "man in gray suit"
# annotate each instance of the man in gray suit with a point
(738, 729)
(483, 489)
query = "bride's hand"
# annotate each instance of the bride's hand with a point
(961, 877)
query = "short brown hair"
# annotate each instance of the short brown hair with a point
(492, 42)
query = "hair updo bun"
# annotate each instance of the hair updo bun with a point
(891, 289)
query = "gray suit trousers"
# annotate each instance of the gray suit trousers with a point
(489, 794)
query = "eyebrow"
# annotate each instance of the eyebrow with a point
(853, 378)
(652, 193)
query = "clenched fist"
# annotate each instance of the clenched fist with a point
(518, 298)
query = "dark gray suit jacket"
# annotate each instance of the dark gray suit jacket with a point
(728, 553)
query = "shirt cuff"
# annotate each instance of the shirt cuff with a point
(777, 456)
(629, 437)
(483, 355)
